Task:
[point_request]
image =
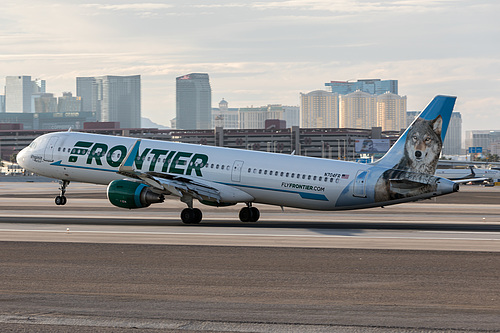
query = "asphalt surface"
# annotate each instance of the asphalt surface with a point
(101, 286)
(152, 287)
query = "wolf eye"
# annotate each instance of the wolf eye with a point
(427, 140)
(414, 138)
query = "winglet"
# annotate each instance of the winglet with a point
(128, 163)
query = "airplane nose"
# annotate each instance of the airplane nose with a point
(21, 158)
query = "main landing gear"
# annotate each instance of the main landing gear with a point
(61, 199)
(190, 215)
(249, 214)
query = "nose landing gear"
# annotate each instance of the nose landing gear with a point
(61, 199)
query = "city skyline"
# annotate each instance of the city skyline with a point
(259, 53)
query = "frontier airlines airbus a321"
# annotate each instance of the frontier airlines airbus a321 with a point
(142, 172)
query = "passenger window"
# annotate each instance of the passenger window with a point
(293, 175)
(331, 180)
(249, 170)
(281, 174)
(309, 177)
(298, 175)
(217, 166)
(320, 178)
(265, 172)
(303, 176)
(260, 171)
(222, 167)
(314, 178)
(287, 174)
(254, 170)
(212, 166)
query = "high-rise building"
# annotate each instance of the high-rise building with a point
(225, 117)
(44, 102)
(319, 108)
(358, 110)
(2, 103)
(38, 86)
(482, 138)
(112, 98)
(452, 144)
(69, 103)
(255, 117)
(86, 89)
(193, 101)
(18, 91)
(391, 112)
(371, 86)
(291, 115)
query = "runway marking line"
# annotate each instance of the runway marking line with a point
(241, 234)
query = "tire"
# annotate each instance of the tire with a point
(63, 200)
(198, 215)
(187, 216)
(255, 214)
(245, 214)
(58, 200)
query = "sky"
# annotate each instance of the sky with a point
(262, 52)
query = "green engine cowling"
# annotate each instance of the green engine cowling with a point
(129, 194)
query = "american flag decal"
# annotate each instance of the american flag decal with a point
(344, 176)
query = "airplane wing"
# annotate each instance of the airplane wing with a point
(182, 186)
(461, 181)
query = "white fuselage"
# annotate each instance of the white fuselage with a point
(275, 179)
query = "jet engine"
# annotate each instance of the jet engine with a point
(129, 194)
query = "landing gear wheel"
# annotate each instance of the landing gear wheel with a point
(255, 214)
(198, 215)
(245, 214)
(249, 214)
(191, 215)
(61, 200)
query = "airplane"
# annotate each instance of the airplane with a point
(471, 174)
(140, 172)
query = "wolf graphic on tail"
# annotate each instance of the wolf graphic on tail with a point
(413, 174)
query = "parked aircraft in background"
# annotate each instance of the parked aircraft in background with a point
(142, 172)
(470, 174)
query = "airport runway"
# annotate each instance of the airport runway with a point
(429, 266)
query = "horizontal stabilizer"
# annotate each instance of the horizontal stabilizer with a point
(462, 181)
(402, 186)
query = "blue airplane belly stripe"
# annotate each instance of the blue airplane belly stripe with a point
(59, 163)
(304, 195)
(312, 196)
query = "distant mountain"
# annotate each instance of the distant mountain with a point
(148, 123)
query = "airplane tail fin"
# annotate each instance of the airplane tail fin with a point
(419, 147)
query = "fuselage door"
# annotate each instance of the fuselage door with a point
(236, 171)
(48, 154)
(360, 184)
